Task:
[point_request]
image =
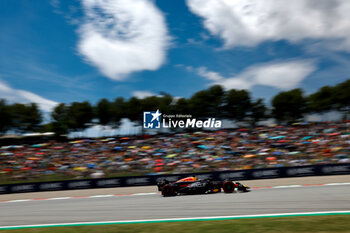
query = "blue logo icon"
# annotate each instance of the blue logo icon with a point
(151, 120)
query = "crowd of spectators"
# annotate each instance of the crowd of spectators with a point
(269, 146)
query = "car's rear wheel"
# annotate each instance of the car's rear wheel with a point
(228, 187)
(167, 191)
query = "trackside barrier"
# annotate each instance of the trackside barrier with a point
(253, 174)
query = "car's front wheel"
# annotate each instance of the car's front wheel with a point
(228, 187)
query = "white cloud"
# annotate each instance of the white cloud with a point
(20, 96)
(142, 94)
(210, 75)
(123, 36)
(250, 22)
(145, 94)
(281, 75)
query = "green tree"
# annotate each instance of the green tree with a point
(119, 111)
(150, 103)
(25, 118)
(289, 106)
(60, 119)
(207, 103)
(166, 103)
(80, 116)
(134, 110)
(342, 97)
(34, 117)
(104, 112)
(5, 117)
(199, 104)
(258, 112)
(48, 127)
(237, 104)
(181, 106)
(216, 104)
(323, 100)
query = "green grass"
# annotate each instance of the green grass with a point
(302, 224)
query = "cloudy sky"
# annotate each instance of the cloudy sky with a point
(64, 51)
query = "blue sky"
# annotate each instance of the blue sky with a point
(65, 51)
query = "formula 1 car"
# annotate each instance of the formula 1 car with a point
(190, 185)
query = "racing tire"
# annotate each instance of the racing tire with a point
(228, 187)
(167, 191)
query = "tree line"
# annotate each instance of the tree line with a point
(236, 105)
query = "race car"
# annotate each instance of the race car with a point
(191, 185)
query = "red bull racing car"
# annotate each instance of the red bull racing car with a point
(191, 185)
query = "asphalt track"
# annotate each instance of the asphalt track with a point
(147, 189)
(154, 206)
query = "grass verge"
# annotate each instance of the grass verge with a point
(302, 224)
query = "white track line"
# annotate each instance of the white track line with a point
(108, 195)
(287, 186)
(143, 194)
(23, 200)
(153, 193)
(338, 184)
(58, 198)
(180, 219)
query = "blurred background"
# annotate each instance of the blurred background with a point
(76, 77)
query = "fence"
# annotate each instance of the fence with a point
(266, 173)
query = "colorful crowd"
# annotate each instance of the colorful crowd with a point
(269, 146)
